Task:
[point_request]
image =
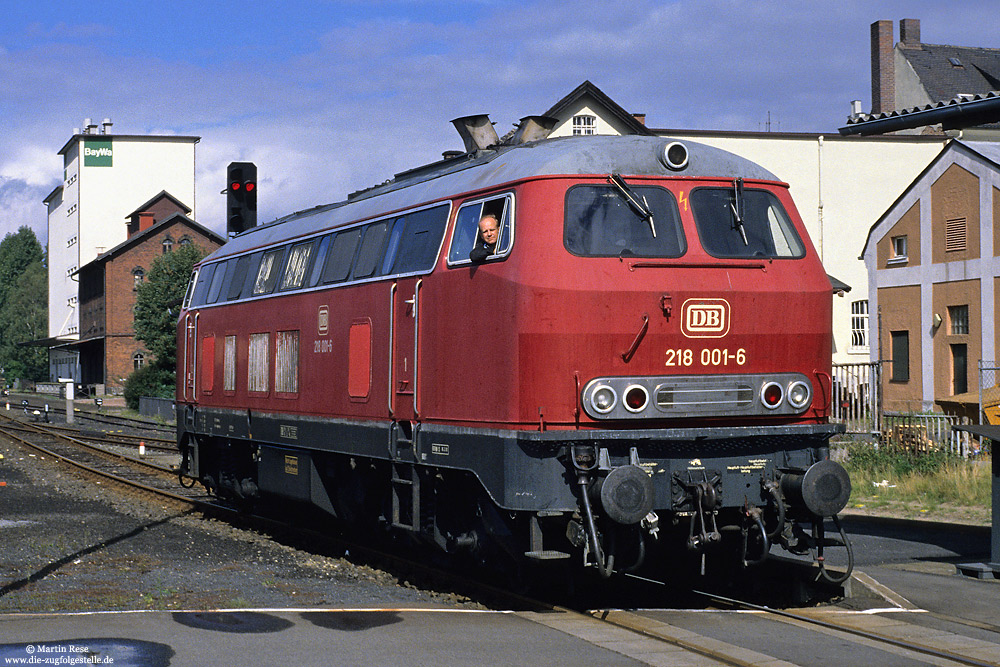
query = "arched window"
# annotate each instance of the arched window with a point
(185, 240)
(138, 275)
(168, 245)
(138, 360)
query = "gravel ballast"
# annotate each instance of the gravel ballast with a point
(71, 545)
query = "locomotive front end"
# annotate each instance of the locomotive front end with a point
(698, 333)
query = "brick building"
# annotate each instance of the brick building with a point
(107, 347)
(934, 274)
(103, 174)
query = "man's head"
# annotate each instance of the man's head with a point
(489, 228)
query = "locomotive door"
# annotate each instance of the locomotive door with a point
(404, 342)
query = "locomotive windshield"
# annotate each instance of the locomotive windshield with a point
(756, 227)
(601, 222)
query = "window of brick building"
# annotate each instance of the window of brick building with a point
(960, 368)
(900, 356)
(859, 326)
(138, 275)
(168, 245)
(958, 320)
(899, 250)
(138, 360)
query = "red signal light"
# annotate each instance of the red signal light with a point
(235, 185)
(636, 398)
(771, 394)
(250, 185)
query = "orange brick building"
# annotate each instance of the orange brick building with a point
(933, 262)
(108, 350)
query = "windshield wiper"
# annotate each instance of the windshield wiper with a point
(739, 208)
(639, 205)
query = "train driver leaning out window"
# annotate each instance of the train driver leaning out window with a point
(486, 242)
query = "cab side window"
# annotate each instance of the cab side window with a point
(467, 227)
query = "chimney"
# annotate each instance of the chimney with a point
(641, 117)
(909, 32)
(476, 131)
(883, 68)
(146, 220)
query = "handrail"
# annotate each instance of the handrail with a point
(187, 328)
(194, 360)
(392, 342)
(416, 343)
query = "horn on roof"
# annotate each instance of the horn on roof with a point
(533, 128)
(476, 131)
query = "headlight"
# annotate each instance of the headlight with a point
(799, 394)
(603, 398)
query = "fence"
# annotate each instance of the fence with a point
(157, 407)
(922, 433)
(857, 401)
(989, 393)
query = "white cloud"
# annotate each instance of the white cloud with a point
(370, 98)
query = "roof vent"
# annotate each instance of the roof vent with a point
(476, 131)
(533, 128)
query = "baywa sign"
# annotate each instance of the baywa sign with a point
(97, 153)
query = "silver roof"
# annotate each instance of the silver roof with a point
(630, 155)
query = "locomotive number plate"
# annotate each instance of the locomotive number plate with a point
(685, 356)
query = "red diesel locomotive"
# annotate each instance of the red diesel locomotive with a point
(641, 363)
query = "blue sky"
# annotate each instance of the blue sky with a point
(329, 97)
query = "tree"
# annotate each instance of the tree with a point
(17, 252)
(23, 306)
(158, 301)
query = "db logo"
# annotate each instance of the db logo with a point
(323, 321)
(705, 318)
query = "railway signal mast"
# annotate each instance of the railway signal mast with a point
(241, 197)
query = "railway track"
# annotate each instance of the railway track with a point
(40, 409)
(813, 636)
(155, 475)
(890, 632)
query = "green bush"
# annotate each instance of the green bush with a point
(901, 463)
(150, 380)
